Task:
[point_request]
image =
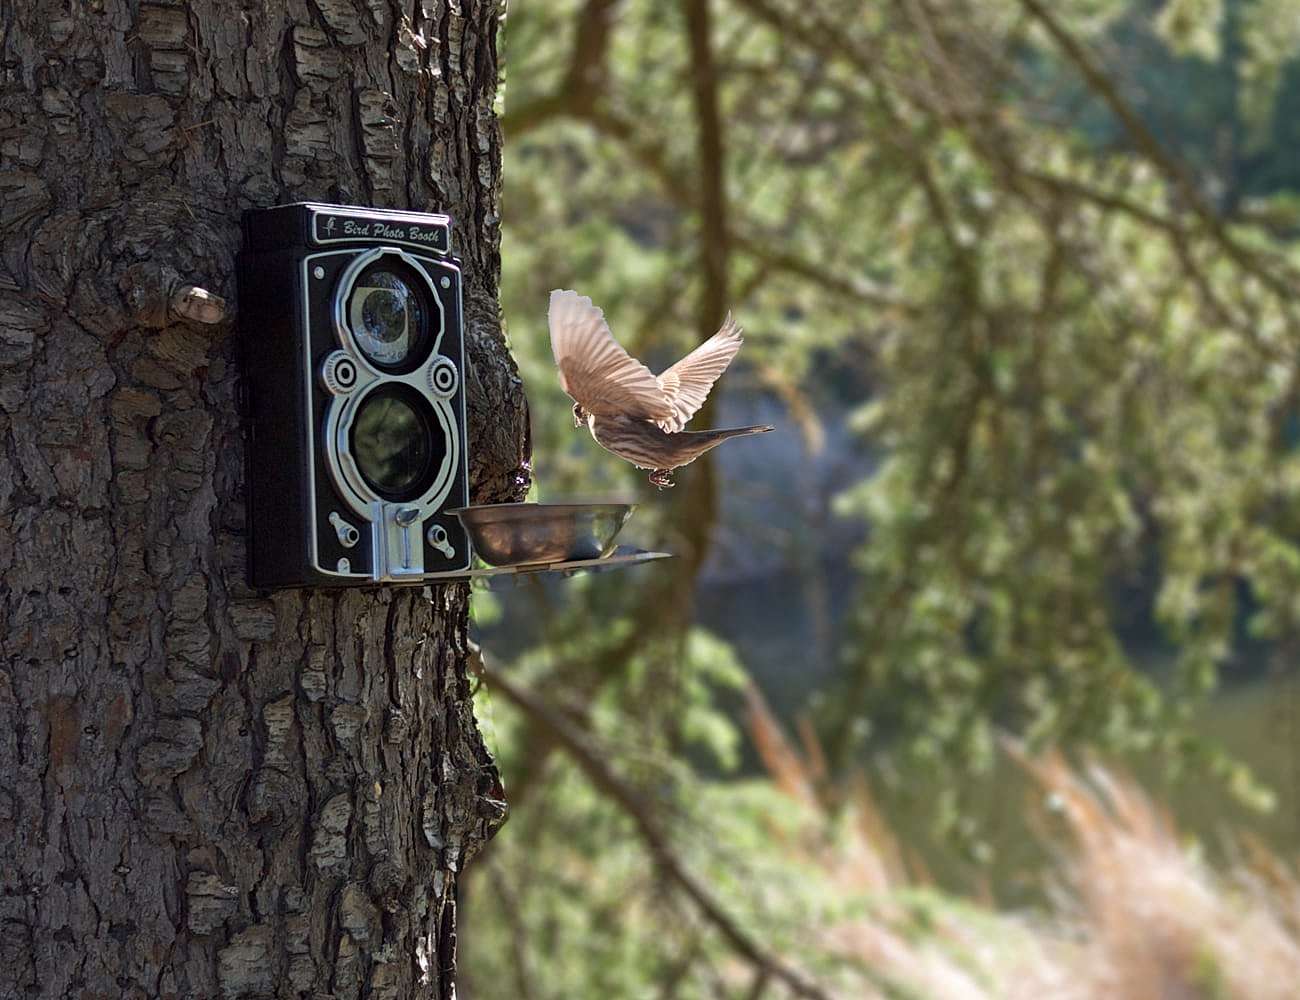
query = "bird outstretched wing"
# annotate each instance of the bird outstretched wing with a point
(687, 383)
(594, 368)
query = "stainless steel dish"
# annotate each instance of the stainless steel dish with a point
(518, 534)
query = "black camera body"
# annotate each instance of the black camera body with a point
(354, 374)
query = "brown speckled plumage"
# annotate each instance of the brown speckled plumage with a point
(631, 412)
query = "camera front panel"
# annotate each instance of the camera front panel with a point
(388, 410)
(379, 449)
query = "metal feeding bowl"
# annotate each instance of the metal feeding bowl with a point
(520, 534)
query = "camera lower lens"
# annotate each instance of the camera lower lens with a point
(396, 443)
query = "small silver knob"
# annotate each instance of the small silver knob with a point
(443, 377)
(437, 536)
(348, 535)
(338, 373)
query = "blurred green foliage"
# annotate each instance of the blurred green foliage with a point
(1038, 256)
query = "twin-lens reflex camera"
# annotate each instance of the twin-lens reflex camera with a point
(354, 375)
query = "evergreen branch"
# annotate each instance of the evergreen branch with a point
(655, 839)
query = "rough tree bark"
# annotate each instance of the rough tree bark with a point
(206, 791)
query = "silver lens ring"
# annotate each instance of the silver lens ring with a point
(387, 313)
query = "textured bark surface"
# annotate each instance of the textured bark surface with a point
(206, 791)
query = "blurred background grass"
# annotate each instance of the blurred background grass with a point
(1018, 285)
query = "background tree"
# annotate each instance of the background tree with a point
(208, 791)
(1021, 276)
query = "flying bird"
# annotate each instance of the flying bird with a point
(637, 415)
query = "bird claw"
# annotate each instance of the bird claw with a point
(663, 478)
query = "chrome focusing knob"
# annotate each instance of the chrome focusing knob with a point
(339, 373)
(443, 379)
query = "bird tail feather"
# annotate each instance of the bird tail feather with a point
(722, 433)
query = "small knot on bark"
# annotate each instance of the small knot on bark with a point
(156, 296)
(198, 304)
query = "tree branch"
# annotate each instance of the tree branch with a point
(584, 80)
(710, 155)
(1146, 143)
(676, 187)
(1103, 87)
(862, 290)
(637, 809)
(1273, 272)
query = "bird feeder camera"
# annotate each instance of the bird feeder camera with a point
(354, 358)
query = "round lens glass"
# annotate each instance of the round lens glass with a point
(394, 443)
(387, 317)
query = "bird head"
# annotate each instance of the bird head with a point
(579, 415)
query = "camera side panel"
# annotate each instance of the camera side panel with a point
(277, 468)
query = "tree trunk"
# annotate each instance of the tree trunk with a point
(206, 791)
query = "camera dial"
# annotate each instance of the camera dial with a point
(339, 373)
(443, 378)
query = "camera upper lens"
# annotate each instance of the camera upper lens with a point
(388, 316)
(396, 444)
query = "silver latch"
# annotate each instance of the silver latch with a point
(404, 518)
(397, 530)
